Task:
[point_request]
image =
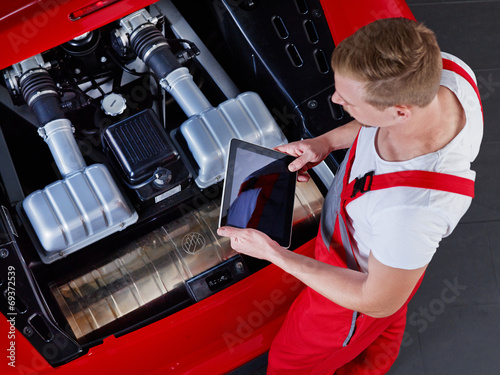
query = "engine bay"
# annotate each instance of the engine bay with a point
(114, 147)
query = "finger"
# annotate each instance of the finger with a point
(288, 148)
(281, 148)
(299, 163)
(227, 231)
(303, 177)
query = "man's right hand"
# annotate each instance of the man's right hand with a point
(309, 153)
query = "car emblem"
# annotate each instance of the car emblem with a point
(193, 242)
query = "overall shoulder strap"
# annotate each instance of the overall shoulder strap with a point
(417, 179)
(454, 67)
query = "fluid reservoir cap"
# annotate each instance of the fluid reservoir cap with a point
(113, 104)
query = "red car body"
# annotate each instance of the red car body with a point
(219, 333)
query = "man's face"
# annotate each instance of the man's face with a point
(349, 94)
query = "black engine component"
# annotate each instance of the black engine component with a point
(83, 45)
(286, 46)
(40, 92)
(151, 47)
(143, 152)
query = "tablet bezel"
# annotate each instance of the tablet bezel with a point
(236, 144)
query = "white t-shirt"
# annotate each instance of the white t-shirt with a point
(403, 226)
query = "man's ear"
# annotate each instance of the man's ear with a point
(402, 113)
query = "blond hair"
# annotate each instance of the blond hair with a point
(398, 59)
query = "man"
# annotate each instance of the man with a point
(403, 186)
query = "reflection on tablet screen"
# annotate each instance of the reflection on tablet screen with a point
(259, 193)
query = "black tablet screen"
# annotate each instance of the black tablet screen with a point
(259, 191)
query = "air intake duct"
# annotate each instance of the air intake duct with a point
(151, 47)
(208, 129)
(39, 91)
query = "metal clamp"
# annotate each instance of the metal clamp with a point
(13, 75)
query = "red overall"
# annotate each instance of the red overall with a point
(321, 337)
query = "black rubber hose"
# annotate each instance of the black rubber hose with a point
(40, 92)
(151, 46)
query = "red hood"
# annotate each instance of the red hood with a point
(28, 27)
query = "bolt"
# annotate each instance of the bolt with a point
(312, 104)
(28, 331)
(162, 177)
(317, 13)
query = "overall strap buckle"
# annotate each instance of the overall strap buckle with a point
(363, 184)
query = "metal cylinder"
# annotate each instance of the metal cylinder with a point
(186, 93)
(58, 134)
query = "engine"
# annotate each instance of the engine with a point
(115, 151)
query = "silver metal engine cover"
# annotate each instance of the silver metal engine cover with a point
(208, 134)
(81, 209)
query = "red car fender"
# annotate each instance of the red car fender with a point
(345, 17)
(213, 336)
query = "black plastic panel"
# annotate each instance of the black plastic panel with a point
(217, 278)
(284, 48)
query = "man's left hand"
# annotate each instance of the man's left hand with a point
(250, 242)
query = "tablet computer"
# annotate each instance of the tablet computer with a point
(259, 191)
